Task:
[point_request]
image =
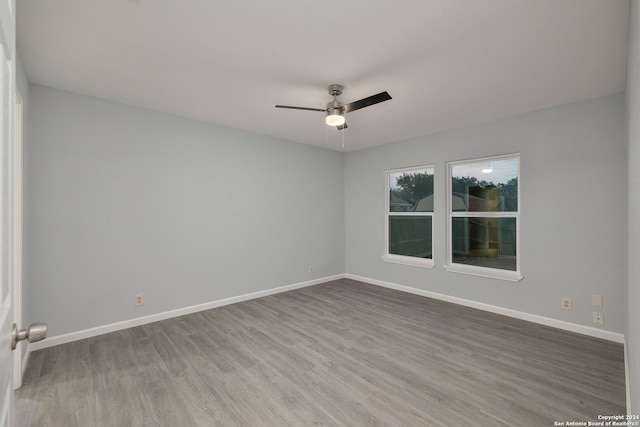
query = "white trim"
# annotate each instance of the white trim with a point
(484, 159)
(493, 273)
(18, 365)
(400, 259)
(105, 329)
(408, 260)
(547, 321)
(627, 379)
(485, 214)
(125, 324)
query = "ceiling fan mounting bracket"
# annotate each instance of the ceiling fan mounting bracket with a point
(335, 90)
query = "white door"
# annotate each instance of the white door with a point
(7, 104)
(17, 239)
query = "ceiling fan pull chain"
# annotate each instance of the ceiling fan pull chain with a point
(326, 135)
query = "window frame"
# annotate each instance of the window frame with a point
(495, 273)
(405, 259)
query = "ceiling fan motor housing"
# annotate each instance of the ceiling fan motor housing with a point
(334, 106)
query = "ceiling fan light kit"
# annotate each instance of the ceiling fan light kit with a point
(336, 110)
(335, 117)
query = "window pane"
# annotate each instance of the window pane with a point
(411, 191)
(485, 242)
(410, 236)
(485, 186)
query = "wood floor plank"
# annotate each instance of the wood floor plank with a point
(341, 353)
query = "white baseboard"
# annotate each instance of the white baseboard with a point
(113, 327)
(139, 321)
(627, 380)
(547, 321)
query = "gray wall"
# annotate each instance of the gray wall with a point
(122, 200)
(573, 210)
(633, 123)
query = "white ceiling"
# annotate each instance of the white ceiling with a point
(446, 63)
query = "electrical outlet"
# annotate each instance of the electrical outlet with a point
(598, 318)
(311, 269)
(596, 300)
(139, 299)
(566, 303)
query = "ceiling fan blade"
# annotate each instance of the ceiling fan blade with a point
(344, 126)
(365, 102)
(301, 108)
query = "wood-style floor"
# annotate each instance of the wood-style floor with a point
(341, 353)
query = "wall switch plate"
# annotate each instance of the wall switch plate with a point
(598, 318)
(566, 303)
(311, 269)
(139, 299)
(596, 300)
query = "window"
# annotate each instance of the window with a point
(484, 217)
(409, 216)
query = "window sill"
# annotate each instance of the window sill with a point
(493, 273)
(407, 260)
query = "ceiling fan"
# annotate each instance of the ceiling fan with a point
(336, 110)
